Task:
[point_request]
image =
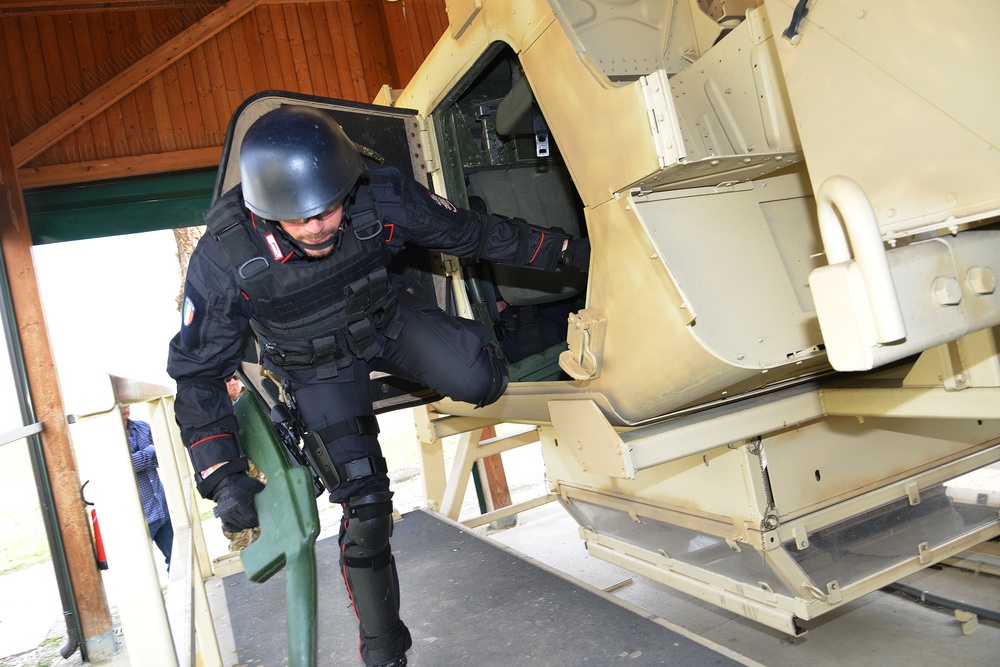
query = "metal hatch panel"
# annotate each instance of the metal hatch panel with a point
(389, 131)
(394, 135)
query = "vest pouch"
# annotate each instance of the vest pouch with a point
(362, 339)
(289, 354)
(331, 354)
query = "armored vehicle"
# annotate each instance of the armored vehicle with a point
(776, 384)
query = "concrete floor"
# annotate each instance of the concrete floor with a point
(881, 628)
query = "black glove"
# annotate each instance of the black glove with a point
(576, 254)
(234, 502)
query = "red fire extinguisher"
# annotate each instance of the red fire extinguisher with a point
(102, 559)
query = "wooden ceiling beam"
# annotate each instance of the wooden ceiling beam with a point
(121, 167)
(51, 7)
(134, 76)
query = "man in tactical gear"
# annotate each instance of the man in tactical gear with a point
(298, 252)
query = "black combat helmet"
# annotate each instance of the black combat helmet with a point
(296, 162)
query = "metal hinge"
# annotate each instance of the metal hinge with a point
(425, 145)
(662, 116)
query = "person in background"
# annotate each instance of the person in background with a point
(234, 387)
(154, 501)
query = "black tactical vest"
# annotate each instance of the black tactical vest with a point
(314, 314)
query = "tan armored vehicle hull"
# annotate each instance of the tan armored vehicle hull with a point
(785, 349)
(763, 210)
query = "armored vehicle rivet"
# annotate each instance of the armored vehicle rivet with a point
(981, 280)
(947, 291)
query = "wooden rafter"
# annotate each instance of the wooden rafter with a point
(35, 7)
(128, 80)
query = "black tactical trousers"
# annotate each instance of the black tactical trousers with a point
(446, 354)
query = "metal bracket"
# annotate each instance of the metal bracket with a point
(450, 265)
(913, 493)
(593, 442)
(833, 595)
(924, 553)
(585, 337)
(801, 537)
(461, 13)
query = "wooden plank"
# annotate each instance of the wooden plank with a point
(353, 62)
(146, 136)
(424, 35)
(987, 548)
(283, 48)
(134, 76)
(509, 510)
(247, 30)
(173, 137)
(165, 140)
(20, 79)
(124, 167)
(102, 72)
(372, 42)
(192, 125)
(331, 79)
(340, 54)
(73, 83)
(49, 41)
(496, 477)
(235, 62)
(207, 131)
(270, 77)
(312, 60)
(399, 53)
(296, 44)
(458, 480)
(222, 91)
(6, 74)
(88, 74)
(121, 125)
(437, 11)
(157, 92)
(365, 36)
(68, 7)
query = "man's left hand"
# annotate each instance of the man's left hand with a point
(234, 502)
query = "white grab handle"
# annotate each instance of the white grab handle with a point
(840, 193)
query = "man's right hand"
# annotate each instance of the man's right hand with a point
(234, 502)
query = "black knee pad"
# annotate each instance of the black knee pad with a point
(498, 366)
(369, 521)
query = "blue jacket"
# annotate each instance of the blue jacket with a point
(140, 443)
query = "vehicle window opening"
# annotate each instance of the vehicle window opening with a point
(502, 159)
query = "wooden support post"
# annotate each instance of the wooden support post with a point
(491, 468)
(46, 398)
(432, 475)
(498, 492)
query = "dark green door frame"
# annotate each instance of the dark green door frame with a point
(127, 206)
